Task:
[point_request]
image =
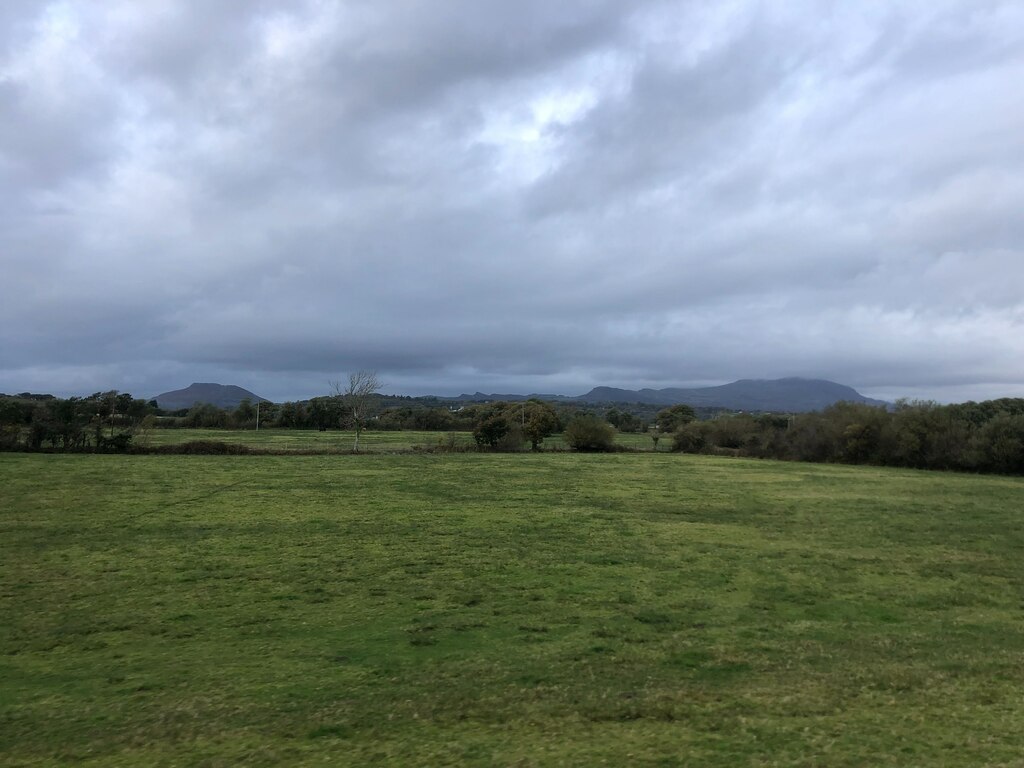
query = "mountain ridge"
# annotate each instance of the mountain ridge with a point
(791, 394)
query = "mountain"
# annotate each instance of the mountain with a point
(480, 397)
(221, 395)
(790, 395)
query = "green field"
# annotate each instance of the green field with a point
(309, 439)
(488, 609)
(371, 441)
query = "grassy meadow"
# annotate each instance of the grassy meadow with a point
(371, 441)
(490, 609)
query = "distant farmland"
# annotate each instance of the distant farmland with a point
(523, 609)
(371, 441)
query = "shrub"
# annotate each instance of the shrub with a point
(10, 435)
(999, 445)
(119, 443)
(208, 416)
(448, 443)
(207, 448)
(512, 440)
(589, 433)
(689, 438)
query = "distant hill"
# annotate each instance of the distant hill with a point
(480, 397)
(221, 395)
(792, 395)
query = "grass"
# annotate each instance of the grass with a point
(555, 609)
(308, 439)
(341, 441)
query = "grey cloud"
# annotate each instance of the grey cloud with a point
(489, 196)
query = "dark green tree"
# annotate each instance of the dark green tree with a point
(537, 421)
(671, 418)
(324, 412)
(245, 412)
(492, 429)
(622, 420)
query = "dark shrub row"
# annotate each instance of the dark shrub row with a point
(976, 437)
(204, 448)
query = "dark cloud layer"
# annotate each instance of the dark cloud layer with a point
(531, 196)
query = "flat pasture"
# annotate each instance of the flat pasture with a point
(371, 441)
(334, 440)
(506, 609)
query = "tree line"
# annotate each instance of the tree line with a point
(103, 421)
(973, 437)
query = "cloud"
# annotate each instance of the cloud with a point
(539, 197)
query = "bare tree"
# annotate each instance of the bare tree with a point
(356, 398)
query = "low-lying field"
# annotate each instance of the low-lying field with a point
(307, 439)
(371, 441)
(483, 609)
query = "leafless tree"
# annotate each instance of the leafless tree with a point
(356, 398)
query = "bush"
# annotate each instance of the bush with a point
(208, 417)
(10, 435)
(589, 433)
(689, 438)
(206, 448)
(449, 443)
(512, 440)
(999, 445)
(119, 443)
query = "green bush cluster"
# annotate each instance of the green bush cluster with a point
(589, 433)
(982, 437)
(509, 425)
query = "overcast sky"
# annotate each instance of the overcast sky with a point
(511, 197)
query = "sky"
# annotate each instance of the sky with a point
(511, 197)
